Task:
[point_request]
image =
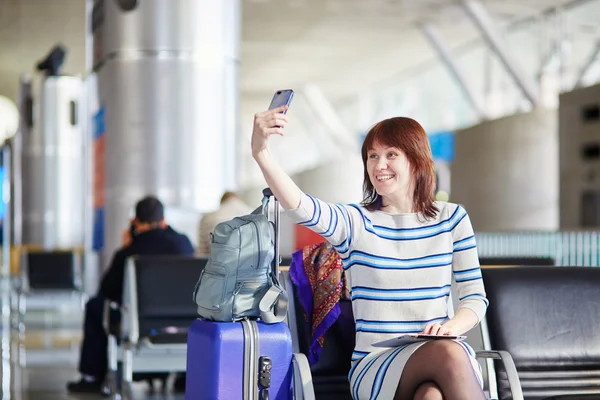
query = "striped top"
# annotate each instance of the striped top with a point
(400, 267)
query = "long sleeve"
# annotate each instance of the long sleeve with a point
(332, 221)
(465, 266)
(112, 282)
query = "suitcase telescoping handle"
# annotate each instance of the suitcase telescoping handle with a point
(268, 193)
(274, 304)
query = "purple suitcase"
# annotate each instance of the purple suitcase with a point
(223, 360)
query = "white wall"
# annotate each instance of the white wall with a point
(506, 172)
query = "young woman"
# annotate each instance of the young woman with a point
(400, 250)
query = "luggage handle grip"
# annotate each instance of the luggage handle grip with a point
(267, 192)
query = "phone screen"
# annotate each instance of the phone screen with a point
(281, 98)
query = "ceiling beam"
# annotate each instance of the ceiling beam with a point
(482, 20)
(590, 61)
(547, 12)
(325, 112)
(435, 40)
(547, 58)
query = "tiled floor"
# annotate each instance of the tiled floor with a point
(48, 383)
(51, 351)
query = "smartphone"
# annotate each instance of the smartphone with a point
(132, 230)
(282, 98)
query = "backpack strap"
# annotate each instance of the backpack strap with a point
(263, 207)
(274, 304)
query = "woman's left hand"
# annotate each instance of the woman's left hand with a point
(437, 329)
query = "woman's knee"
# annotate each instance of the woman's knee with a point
(428, 391)
(449, 355)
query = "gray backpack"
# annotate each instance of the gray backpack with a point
(240, 278)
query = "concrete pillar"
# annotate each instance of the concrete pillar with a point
(167, 82)
(52, 163)
(505, 172)
(579, 114)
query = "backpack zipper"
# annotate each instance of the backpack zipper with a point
(259, 249)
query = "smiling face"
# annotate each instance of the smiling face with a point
(398, 167)
(389, 171)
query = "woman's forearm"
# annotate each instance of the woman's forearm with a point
(282, 186)
(463, 321)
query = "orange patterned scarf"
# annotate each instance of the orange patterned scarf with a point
(318, 276)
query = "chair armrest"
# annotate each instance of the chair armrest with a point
(109, 307)
(303, 385)
(17, 285)
(509, 366)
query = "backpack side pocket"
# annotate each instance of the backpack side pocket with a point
(211, 291)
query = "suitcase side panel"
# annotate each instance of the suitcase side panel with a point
(276, 343)
(215, 361)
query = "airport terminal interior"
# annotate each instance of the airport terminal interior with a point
(104, 102)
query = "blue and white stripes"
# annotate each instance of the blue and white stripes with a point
(400, 268)
(332, 221)
(467, 275)
(382, 371)
(475, 296)
(357, 355)
(395, 327)
(413, 233)
(393, 295)
(464, 244)
(357, 257)
(315, 217)
(361, 375)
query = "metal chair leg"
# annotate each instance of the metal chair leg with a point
(127, 382)
(113, 375)
(170, 383)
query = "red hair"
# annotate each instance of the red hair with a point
(409, 136)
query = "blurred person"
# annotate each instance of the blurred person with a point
(232, 205)
(400, 250)
(148, 233)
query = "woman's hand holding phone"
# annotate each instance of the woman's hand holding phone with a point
(267, 123)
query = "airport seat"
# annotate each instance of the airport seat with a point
(51, 270)
(156, 312)
(49, 281)
(547, 319)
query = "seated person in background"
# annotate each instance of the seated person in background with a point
(151, 235)
(232, 205)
